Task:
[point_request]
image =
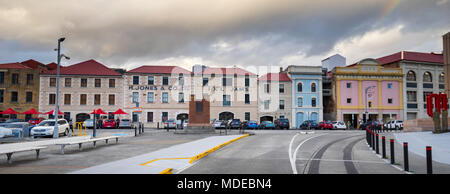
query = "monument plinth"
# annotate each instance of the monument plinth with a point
(199, 118)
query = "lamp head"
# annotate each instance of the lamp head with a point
(61, 39)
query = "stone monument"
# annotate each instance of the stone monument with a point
(199, 118)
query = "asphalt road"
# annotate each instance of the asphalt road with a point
(295, 152)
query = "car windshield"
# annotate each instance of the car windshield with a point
(14, 126)
(34, 119)
(171, 120)
(125, 120)
(111, 120)
(47, 123)
(89, 120)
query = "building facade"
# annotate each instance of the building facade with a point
(367, 91)
(306, 94)
(274, 97)
(83, 87)
(423, 75)
(154, 94)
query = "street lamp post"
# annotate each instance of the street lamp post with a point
(367, 113)
(55, 130)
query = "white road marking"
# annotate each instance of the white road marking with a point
(293, 159)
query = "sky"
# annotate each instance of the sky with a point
(261, 35)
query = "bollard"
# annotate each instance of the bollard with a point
(376, 144)
(135, 131)
(429, 161)
(373, 140)
(383, 146)
(405, 156)
(392, 152)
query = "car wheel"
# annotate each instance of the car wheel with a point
(66, 133)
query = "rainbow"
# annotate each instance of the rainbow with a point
(388, 8)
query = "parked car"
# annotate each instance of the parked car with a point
(267, 125)
(170, 124)
(46, 127)
(309, 124)
(371, 125)
(339, 125)
(125, 123)
(35, 121)
(109, 123)
(394, 125)
(325, 125)
(19, 129)
(219, 124)
(249, 125)
(235, 124)
(281, 124)
(10, 121)
(5, 132)
(185, 123)
(89, 123)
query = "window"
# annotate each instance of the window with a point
(266, 104)
(29, 97)
(313, 102)
(281, 104)
(389, 85)
(98, 83)
(247, 116)
(313, 87)
(300, 102)
(205, 81)
(180, 97)
(2, 93)
(227, 81)
(165, 81)
(370, 104)
(112, 99)
(30, 79)
(198, 107)
(165, 97)
(67, 99)
(151, 81)
(15, 78)
(52, 82)
(411, 96)
(267, 88)
(427, 77)
(135, 80)
(349, 100)
(247, 81)
(68, 82)
(299, 87)
(97, 99)
(14, 96)
(83, 82)
(411, 76)
(2, 77)
(150, 97)
(349, 85)
(52, 99)
(83, 99)
(135, 97)
(247, 98)
(442, 78)
(425, 94)
(389, 100)
(226, 100)
(150, 117)
(181, 80)
(282, 88)
(112, 83)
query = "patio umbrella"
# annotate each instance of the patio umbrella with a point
(99, 112)
(9, 111)
(119, 112)
(52, 111)
(31, 112)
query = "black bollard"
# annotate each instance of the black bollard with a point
(376, 144)
(373, 141)
(405, 156)
(429, 161)
(383, 146)
(392, 152)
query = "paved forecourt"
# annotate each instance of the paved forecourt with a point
(177, 157)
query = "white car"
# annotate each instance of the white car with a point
(218, 124)
(339, 125)
(185, 123)
(89, 123)
(394, 125)
(45, 128)
(5, 132)
(170, 124)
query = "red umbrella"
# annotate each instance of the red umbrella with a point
(52, 111)
(9, 111)
(119, 112)
(31, 112)
(99, 112)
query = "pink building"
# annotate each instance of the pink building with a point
(367, 90)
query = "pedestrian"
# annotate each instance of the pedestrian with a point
(117, 122)
(348, 125)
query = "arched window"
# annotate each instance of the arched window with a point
(313, 87)
(427, 77)
(299, 87)
(411, 76)
(442, 78)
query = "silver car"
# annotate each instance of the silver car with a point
(125, 123)
(89, 123)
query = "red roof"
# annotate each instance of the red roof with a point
(160, 69)
(227, 71)
(13, 66)
(281, 77)
(32, 63)
(52, 66)
(412, 56)
(90, 67)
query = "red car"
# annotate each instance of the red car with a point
(110, 123)
(325, 125)
(35, 121)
